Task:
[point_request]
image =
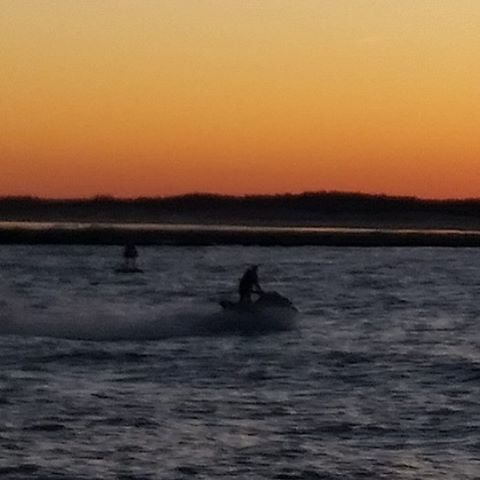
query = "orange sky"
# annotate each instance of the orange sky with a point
(159, 97)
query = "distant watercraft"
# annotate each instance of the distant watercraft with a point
(128, 270)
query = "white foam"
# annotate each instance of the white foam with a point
(92, 320)
(95, 322)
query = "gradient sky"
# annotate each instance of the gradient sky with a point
(158, 97)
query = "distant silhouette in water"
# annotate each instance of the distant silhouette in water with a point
(249, 284)
(130, 255)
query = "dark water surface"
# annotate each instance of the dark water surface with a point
(381, 379)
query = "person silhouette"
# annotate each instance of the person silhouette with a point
(130, 255)
(249, 284)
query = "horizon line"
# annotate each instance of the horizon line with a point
(110, 197)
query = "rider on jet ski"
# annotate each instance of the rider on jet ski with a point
(249, 284)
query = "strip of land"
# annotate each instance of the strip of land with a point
(189, 236)
(333, 219)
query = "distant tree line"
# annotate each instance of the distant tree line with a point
(199, 206)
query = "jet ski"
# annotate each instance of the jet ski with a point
(270, 312)
(125, 269)
(265, 300)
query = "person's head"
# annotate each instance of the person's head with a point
(254, 268)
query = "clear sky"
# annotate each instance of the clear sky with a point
(158, 97)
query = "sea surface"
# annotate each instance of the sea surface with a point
(104, 375)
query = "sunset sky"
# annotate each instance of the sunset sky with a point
(158, 97)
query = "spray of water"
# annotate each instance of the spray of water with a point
(94, 320)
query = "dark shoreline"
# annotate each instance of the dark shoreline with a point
(306, 209)
(184, 235)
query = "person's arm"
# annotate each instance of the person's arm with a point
(257, 288)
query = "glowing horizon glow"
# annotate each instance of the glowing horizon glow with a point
(127, 98)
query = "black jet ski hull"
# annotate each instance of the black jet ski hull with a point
(271, 312)
(266, 300)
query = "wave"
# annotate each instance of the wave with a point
(180, 319)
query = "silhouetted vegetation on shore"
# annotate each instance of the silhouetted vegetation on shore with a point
(307, 209)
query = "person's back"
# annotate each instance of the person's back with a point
(249, 284)
(130, 251)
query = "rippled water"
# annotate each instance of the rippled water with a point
(381, 379)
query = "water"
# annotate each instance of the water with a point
(381, 379)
